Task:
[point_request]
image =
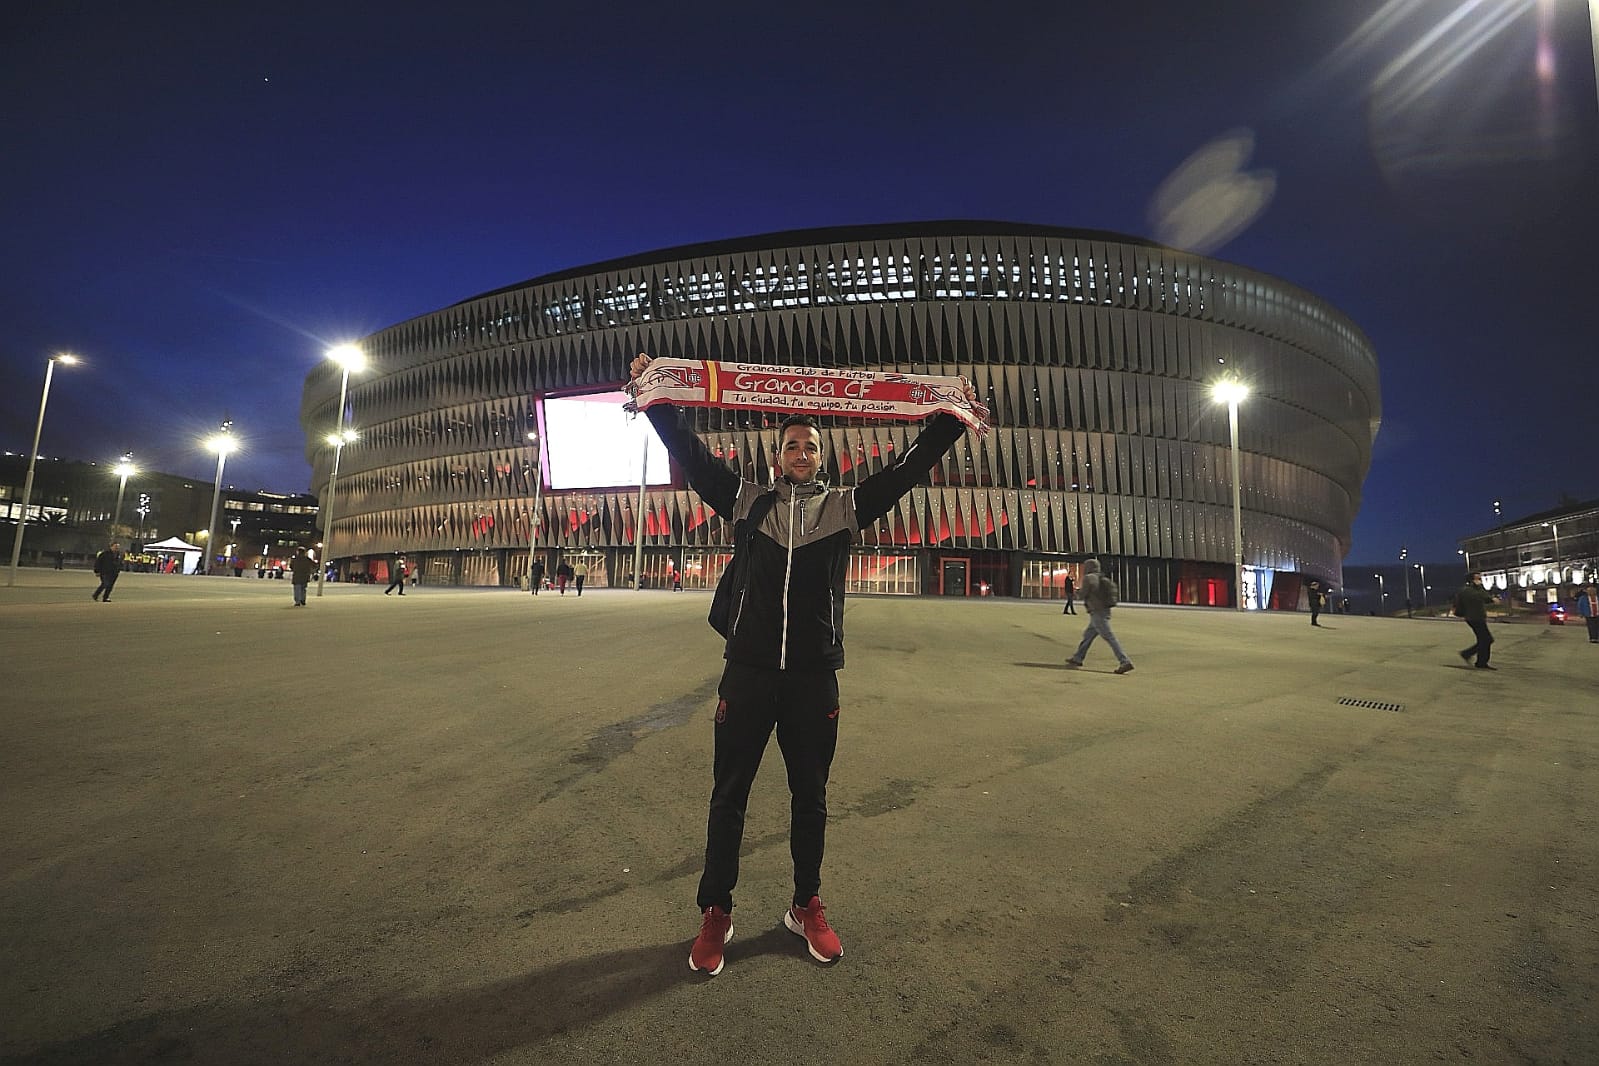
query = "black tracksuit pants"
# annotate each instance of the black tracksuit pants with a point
(803, 707)
(1485, 639)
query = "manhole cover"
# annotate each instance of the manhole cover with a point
(1376, 705)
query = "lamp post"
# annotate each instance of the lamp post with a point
(1467, 554)
(1423, 568)
(1559, 570)
(533, 519)
(337, 441)
(123, 470)
(1231, 393)
(349, 357)
(33, 455)
(142, 510)
(222, 444)
(1382, 595)
(1403, 552)
(1504, 550)
(638, 524)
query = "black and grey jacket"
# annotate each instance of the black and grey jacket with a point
(788, 613)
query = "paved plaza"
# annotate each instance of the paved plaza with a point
(465, 826)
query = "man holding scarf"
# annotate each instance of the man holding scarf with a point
(785, 644)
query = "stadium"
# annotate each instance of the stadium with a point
(1095, 353)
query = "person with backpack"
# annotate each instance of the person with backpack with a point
(1471, 603)
(780, 607)
(1100, 594)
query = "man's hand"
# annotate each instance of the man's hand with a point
(636, 368)
(971, 393)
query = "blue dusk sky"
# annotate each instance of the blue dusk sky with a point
(199, 198)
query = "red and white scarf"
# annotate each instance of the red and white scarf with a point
(813, 390)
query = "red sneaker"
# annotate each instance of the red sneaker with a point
(715, 930)
(810, 922)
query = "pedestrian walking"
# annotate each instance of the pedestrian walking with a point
(301, 567)
(1071, 596)
(1100, 594)
(108, 564)
(397, 579)
(1471, 603)
(535, 575)
(580, 574)
(1588, 607)
(563, 574)
(1317, 596)
(785, 644)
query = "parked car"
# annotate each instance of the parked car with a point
(1557, 614)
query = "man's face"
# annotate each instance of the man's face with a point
(800, 453)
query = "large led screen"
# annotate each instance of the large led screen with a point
(591, 443)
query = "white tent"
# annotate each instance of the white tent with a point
(174, 545)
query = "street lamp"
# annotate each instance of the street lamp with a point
(1382, 595)
(1231, 393)
(349, 357)
(1555, 527)
(123, 470)
(533, 520)
(1504, 550)
(1467, 554)
(222, 444)
(336, 441)
(1423, 568)
(1403, 552)
(33, 454)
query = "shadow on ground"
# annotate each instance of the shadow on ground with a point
(462, 1026)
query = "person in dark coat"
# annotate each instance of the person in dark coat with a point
(108, 564)
(1317, 597)
(301, 567)
(1471, 603)
(784, 647)
(535, 575)
(397, 578)
(1071, 596)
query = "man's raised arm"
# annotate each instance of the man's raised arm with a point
(707, 475)
(875, 495)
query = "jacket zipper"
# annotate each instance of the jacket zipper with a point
(832, 619)
(788, 570)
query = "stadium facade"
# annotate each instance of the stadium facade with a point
(1095, 353)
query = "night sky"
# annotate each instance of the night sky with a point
(199, 198)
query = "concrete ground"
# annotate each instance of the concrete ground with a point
(466, 826)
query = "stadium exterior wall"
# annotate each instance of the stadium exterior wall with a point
(1094, 351)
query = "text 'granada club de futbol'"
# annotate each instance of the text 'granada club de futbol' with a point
(1096, 355)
